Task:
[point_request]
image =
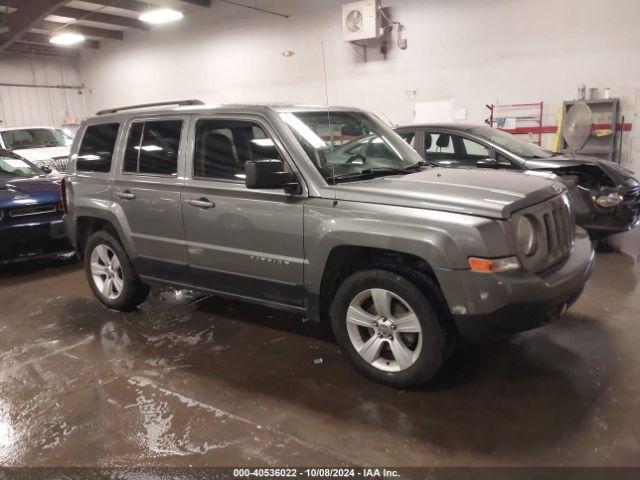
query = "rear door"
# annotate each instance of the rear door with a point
(147, 189)
(244, 242)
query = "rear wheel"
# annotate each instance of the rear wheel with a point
(111, 275)
(388, 329)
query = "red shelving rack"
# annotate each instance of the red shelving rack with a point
(537, 110)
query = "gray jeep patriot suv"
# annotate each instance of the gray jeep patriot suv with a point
(325, 212)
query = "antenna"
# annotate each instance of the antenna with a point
(326, 94)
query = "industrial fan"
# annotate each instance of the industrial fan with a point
(577, 126)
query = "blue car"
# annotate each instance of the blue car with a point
(30, 212)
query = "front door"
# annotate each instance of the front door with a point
(243, 242)
(147, 189)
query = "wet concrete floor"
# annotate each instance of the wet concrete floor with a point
(218, 383)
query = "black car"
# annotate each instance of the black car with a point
(606, 196)
(30, 212)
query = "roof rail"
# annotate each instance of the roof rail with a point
(179, 103)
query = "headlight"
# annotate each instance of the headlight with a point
(526, 236)
(610, 200)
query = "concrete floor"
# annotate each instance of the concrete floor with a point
(218, 383)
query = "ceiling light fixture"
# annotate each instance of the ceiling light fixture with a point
(67, 38)
(162, 15)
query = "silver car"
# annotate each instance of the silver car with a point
(281, 206)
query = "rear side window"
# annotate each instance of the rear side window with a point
(96, 149)
(152, 147)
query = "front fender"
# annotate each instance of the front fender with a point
(442, 239)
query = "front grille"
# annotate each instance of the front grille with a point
(558, 224)
(632, 194)
(61, 163)
(555, 224)
(33, 210)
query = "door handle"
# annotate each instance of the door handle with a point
(201, 203)
(127, 195)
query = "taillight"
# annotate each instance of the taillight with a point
(63, 195)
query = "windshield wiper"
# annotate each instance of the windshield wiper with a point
(366, 173)
(538, 157)
(373, 172)
(421, 163)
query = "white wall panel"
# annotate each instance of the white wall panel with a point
(30, 104)
(472, 51)
(21, 106)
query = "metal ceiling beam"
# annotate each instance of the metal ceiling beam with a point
(132, 5)
(21, 47)
(44, 40)
(257, 9)
(29, 12)
(79, 14)
(86, 31)
(201, 3)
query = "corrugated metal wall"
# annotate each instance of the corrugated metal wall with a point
(21, 105)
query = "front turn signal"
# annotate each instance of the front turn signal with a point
(493, 265)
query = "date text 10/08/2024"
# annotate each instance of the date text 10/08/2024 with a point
(372, 473)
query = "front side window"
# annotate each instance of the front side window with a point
(25, 138)
(350, 145)
(512, 143)
(475, 148)
(96, 148)
(12, 166)
(223, 146)
(152, 147)
(439, 143)
(409, 137)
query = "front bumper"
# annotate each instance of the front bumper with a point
(489, 305)
(599, 221)
(600, 230)
(32, 240)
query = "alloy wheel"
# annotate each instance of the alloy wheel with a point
(384, 330)
(106, 272)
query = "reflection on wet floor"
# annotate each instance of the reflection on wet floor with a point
(191, 380)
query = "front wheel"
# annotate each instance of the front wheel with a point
(387, 328)
(111, 275)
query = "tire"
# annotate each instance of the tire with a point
(405, 345)
(105, 260)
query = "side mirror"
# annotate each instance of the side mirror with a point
(269, 174)
(46, 169)
(487, 163)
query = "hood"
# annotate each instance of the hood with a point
(615, 172)
(45, 153)
(487, 193)
(28, 191)
(560, 161)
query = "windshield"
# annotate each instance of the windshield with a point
(13, 167)
(34, 138)
(350, 145)
(519, 147)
